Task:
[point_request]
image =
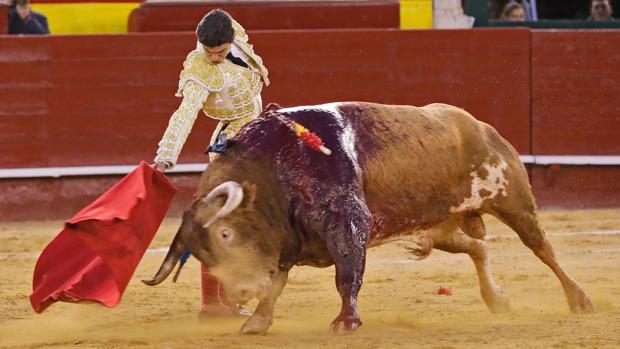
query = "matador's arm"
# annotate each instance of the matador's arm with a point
(181, 122)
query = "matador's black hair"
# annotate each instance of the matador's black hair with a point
(215, 29)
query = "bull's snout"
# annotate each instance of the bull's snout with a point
(244, 292)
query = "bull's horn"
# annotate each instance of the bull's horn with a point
(234, 193)
(174, 253)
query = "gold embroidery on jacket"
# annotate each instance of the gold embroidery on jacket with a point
(255, 61)
(198, 68)
(181, 122)
(236, 99)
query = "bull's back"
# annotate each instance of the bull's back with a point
(417, 161)
(414, 145)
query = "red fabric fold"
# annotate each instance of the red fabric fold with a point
(95, 255)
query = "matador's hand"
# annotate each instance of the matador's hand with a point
(161, 166)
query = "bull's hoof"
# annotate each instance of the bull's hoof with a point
(256, 325)
(211, 310)
(345, 325)
(580, 303)
(497, 302)
(500, 306)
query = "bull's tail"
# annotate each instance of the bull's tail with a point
(423, 247)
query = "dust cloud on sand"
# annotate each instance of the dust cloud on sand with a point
(398, 302)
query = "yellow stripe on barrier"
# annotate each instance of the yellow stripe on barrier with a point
(87, 18)
(416, 14)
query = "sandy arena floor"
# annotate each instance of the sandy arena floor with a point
(399, 304)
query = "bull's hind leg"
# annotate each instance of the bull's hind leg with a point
(524, 222)
(455, 241)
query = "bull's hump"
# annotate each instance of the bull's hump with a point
(332, 108)
(338, 128)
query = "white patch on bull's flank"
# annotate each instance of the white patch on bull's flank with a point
(494, 183)
(347, 140)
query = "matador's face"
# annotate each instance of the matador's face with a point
(217, 54)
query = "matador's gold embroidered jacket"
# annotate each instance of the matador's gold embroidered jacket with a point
(226, 92)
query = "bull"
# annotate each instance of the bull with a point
(422, 174)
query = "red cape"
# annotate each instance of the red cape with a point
(95, 255)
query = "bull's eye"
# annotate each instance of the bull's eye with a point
(226, 235)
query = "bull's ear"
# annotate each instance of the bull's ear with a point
(249, 194)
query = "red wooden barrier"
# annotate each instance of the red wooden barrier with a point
(105, 100)
(61, 198)
(407, 67)
(576, 186)
(576, 111)
(90, 100)
(291, 14)
(575, 84)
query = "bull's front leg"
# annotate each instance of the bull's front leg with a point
(346, 235)
(349, 274)
(262, 318)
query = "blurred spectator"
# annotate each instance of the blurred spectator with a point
(529, 8)
(600, 10)
(22, 20)
(513, 11)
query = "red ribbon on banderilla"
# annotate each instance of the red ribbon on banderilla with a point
(310, 139)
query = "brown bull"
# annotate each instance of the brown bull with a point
(396, 173)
